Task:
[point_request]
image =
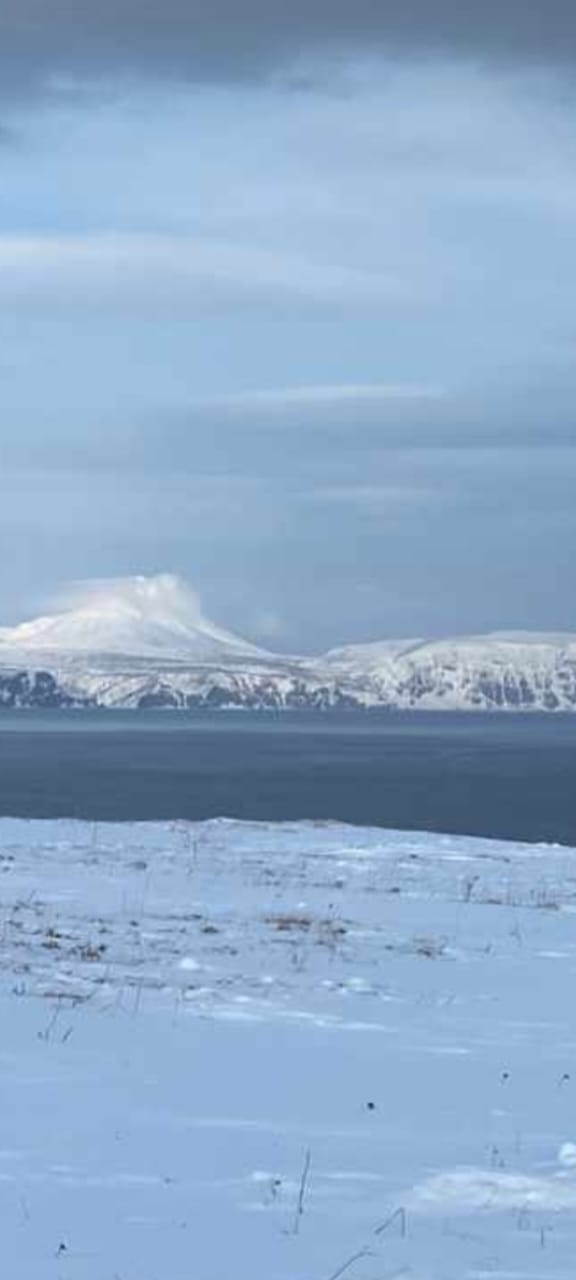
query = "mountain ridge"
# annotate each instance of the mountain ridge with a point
(144, 642)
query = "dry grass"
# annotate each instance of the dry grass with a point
(325, 930)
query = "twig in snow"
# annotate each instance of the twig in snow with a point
(302, 1191)
(47, 1032)
(362, 1253)
(138, 997)
(399, 1215)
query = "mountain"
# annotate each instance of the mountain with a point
(145, 642)
(502, 671)
(153, 618)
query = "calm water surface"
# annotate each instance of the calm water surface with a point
(508, 776)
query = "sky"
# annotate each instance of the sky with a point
(288, 307)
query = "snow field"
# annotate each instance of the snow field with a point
(255, 1052)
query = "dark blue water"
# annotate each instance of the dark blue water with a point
(506, 776)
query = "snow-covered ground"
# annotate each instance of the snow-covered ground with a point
(251, 1052)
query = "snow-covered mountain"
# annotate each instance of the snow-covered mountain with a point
(145, 642)
(151, 618)
(501, 671)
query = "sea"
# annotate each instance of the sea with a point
(505, 776)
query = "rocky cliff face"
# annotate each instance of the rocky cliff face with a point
(34, 689)
(415, 683)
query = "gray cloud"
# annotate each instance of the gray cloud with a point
(238, 39)
(333, 442)
(430, 543)
(315, 352)
(340, 532)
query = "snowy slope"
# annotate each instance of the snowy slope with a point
(154, 618)
(188, 1011)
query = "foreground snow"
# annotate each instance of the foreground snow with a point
(250, 1052)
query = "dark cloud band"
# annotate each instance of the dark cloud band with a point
(238, 39)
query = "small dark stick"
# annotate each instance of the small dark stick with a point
(302, 1191)
(399, 1216)
(362, 1253)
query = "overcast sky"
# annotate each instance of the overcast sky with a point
(288, 306)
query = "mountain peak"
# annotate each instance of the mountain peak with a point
(147, 617)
